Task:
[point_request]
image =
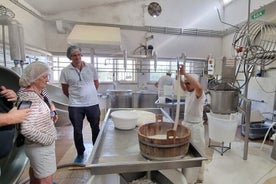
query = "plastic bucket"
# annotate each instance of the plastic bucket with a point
(222, 128)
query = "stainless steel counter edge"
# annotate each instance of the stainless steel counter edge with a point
(135, 166)
(138, 166)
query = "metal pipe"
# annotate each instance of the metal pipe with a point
(246, 111)
(155, 60)
(92, 56)
(236, 27)
(125, 59)
(260, 101)
(248, 24)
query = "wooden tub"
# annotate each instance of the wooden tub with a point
(156, 144)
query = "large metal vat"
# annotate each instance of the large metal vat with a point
(9, 78)
(119, 98)
(56, 95)
(144, 99)
(224, 101)
(13, 164)
(61, 103)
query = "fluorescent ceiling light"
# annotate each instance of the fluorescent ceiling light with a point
(96, 37)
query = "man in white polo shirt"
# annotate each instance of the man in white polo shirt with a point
(79, 81)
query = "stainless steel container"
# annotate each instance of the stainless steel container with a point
(119, 98)
(9, 78)
(273, 153)
(58, 98)
(13, 164)
(144, 99)
(224, 101)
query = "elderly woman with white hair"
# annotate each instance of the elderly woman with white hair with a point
(38, 128)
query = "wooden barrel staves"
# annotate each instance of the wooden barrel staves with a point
(156, 144)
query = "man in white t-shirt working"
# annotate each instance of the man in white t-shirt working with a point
(193, 119)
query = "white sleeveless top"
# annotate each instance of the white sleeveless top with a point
(194, 107)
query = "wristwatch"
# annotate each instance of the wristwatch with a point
(53, 113)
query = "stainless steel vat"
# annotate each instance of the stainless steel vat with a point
(9, 78)
(224, 101)
(144, 99)
(56, 95)
(119, 98)
(273, 152)
(13, 164)
(61, 103)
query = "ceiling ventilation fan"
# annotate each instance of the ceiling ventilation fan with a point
(154, 9)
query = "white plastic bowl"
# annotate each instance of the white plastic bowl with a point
(124, 120)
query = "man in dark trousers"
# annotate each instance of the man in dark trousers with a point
(79, 81)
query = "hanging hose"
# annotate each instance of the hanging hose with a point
(267, 134)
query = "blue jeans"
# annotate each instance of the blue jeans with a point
(77, 115)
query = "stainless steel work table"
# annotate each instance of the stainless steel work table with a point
(117, 151)
(172, 107)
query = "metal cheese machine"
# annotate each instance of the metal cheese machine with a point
(117, 151)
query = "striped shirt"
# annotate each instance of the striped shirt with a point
(38, 127)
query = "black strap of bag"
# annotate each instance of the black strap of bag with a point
(20, 139)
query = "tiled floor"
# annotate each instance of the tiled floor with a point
(258, 168)
(65, 154)
(229, 168)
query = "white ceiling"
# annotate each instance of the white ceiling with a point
(185, 13)
(48, 7)
(199, 14)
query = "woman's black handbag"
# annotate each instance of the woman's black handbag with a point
(20, 138)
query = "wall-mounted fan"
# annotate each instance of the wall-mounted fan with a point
(154, 9)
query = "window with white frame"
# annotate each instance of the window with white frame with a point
(112, 69)
(109, 69)
(161, 67)
(125, 70)
(60, 62)
(105, 68)
(115, 69)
